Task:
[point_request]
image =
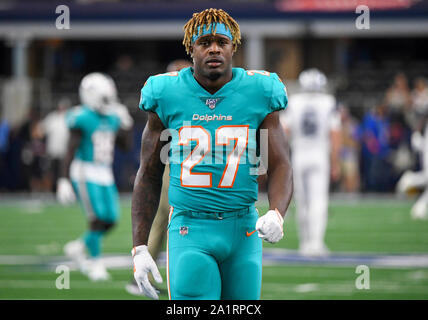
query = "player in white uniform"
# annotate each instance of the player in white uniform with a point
(413, 181)
(313, 124)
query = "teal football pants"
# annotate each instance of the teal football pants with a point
(99, 202)
(213, 256)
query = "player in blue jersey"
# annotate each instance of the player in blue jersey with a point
(87, 167)
(218, 118)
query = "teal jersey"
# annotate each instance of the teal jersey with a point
(213, 148)
(98, 134)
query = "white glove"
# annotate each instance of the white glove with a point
(143, 264)
(417, 141)
(269, 226)
(64, 192)
(126, 121)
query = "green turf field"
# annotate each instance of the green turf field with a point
(31, 230)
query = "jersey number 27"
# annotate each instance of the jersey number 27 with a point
(224, 135)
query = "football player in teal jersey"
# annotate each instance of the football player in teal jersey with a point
(87, 167)
(217, 119)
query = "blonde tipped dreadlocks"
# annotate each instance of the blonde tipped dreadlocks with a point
(207, 17)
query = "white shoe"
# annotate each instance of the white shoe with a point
(76, 251)
(418, 211)
(96, 271)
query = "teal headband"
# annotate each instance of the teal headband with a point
(221, 29)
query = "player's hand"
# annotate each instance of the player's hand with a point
(143, 264)
(65, 193)
(270, 226)
(126, 121)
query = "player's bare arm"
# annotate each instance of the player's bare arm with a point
(148, 182)
(65, 193)
(279, 173)
(73, 144)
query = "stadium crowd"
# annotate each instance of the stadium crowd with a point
(375, 150)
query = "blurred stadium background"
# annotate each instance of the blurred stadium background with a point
(377, 75)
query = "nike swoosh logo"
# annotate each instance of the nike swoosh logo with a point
(250, 233)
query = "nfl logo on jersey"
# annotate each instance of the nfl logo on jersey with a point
(211, 102)
(184, 231)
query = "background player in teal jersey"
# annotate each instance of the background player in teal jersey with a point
(87, 167)
(214, 114)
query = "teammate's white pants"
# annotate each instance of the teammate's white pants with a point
(419, 209)
(311, 184)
